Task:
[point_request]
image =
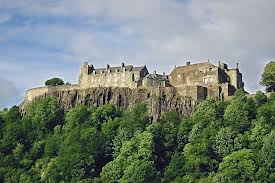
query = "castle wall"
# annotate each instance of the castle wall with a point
(196, 74)
(223, 77)
(110, 78)
(235, 78)
(40, 91)
(148, 82)
(214, 91)
(197, 93)
(115, 79)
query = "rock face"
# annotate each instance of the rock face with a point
(159, 101)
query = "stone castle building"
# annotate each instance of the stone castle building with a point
(197, 81)
(205, 79)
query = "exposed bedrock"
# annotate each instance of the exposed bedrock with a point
(158, 100)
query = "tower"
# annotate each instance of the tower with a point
(84, 75)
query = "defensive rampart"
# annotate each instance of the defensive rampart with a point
(40, 91)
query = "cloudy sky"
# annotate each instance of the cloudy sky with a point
(40, 39)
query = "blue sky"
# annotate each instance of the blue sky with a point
(40, 39)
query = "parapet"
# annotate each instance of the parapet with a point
(40, 91)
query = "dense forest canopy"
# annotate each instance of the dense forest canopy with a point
(229, 141)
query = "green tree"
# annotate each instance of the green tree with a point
(140, 171)
(183, 132)
(139, 148)
(76, 157)
(236, 114)
(268, 77)
(76, 116)
(12, 130)
(260, 98)
(224, 142)
(200, 157)
(268, 150)
(133, 120)
(43, 115)
(175, 168)
(239, 166)
(54, 82)
(1, 126)
(267, 112)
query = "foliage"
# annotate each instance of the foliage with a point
(239, 166)
(268, 77)
(260, 98)
(54, 82)
(229, 141)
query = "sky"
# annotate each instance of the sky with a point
(40, 39)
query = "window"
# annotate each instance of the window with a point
(205, 80)
(133, 77)
(208, 80)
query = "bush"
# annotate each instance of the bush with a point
(54, 82)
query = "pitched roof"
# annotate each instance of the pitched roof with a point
(119, 68)
(156, 76)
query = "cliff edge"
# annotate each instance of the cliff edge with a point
(159, 100)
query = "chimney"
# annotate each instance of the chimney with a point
(164, 74)
(224, 66)
(237, 65)
(92, 66)
(188, 63)
(219, 63)
(108, 66)
(122, 65)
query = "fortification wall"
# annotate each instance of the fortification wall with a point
(40, 91)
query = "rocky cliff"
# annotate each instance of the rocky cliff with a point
(158, 100)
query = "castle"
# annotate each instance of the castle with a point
(197, 81)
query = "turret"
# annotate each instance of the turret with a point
(84, 74)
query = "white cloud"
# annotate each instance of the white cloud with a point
(159, 33)
(4, 18)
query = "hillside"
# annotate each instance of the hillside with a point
(221, 142)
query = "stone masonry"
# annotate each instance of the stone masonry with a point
(197, 81)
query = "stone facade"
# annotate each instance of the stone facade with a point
(123, 76)
(218, 82)
(155, 80)
(192, 80)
